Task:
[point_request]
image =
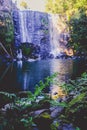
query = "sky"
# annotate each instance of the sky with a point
(38, 5)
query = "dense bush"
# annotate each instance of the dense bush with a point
(30, 50)
(19, 111)
(78, 31)
(6, 31)
(76, 104)
(65, 7)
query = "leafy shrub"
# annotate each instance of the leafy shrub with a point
(6, 31)
(17, 115)
(76, 104)
(78, 31)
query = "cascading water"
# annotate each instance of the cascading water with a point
(32, 27)
(23, 30)
(19, 54)
(26, 19)
(39, 29)
(54, 35)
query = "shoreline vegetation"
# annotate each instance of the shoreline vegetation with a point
(30, 111)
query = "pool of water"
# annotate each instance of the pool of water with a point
(19, 75)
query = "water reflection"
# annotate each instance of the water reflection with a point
(64, 67)
(65, 70)
(33, 72)
(25, 75)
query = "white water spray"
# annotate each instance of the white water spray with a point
(54, 35)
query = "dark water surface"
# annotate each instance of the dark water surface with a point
(20, 75)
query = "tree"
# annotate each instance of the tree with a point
(76, 12)
(66, 7)
(78, 31)
(6, 32)
(24, 4)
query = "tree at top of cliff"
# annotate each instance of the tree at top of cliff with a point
(68, 7)
(24, 4)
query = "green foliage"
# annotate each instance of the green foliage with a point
(76, 12)
(29, 50)
(56, 103)
(65, 7)
(78, 31)
(26, 50)
(6, 31)
(24, 4)
(6, 98)
(27, 122)
(73, 102)
(18, 115)
(8, 95)
(76, 111)
(77, 128)
(76, 104)
(41, 86)
(54, 126)
(76, 86)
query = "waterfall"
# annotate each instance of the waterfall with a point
(32, 27)
(19, 54)
(19, 64)
(39, 29)
(54, 35)
(23, 29)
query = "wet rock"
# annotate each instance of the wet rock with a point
(66, 127)
(38, 112)
(56, 112)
